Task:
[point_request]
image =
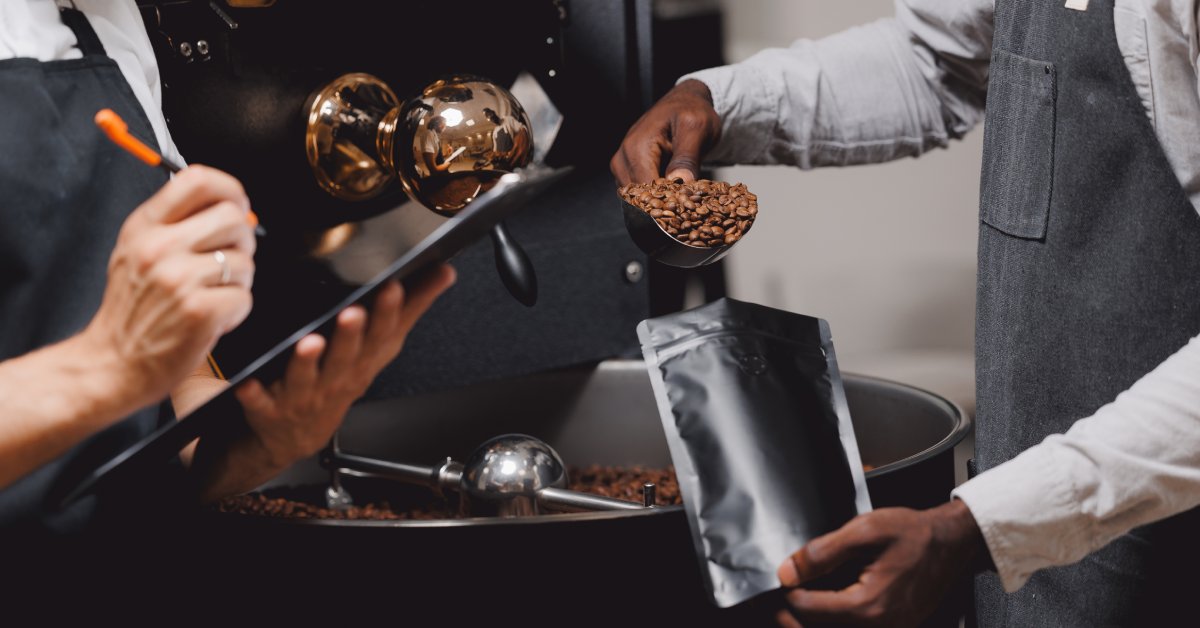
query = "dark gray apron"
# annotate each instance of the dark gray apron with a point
(65, 190)
(1089, 277)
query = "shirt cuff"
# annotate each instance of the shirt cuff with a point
(1024, 509)
(746, 102)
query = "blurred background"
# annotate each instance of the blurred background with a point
(885, 253)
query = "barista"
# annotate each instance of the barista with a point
(103, 312)
(1088, 306)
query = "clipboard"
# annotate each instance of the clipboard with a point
(222, 415)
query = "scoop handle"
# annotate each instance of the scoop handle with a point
(516, 271)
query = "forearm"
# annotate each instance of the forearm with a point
(56, 397)
(893, 88)
(1135, 461)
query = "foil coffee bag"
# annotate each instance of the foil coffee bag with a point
(758, 427)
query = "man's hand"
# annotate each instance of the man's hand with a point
(296, 416)
(918, 557)
(164, 303)
(682, 126)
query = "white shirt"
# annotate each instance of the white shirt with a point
(33, 28)
(901, 86)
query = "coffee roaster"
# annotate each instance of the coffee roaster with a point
(240, 86)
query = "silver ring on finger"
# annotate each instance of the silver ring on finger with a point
(226, 269)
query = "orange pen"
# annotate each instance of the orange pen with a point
(117, 131)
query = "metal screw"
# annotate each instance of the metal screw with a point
(550, 41)
(634, 271)
(185, 49)
(553, 73)
(202, 47)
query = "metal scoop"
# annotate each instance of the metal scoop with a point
(513, 475)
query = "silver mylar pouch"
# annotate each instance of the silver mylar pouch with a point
(758, 427)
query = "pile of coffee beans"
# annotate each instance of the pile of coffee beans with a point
(263, 506)
(702, 213)
(619, 482)
(626, 483)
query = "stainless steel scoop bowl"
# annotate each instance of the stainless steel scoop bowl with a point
(661, 246)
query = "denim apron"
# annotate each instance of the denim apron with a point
(1089, 277)
(65, 190)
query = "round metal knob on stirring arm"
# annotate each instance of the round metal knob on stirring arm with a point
(512, 475)
(503, 476)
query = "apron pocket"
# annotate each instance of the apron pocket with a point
(1018, 161)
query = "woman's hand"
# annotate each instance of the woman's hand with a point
(295, 417)
(179, 278)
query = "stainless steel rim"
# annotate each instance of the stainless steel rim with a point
(961, 429)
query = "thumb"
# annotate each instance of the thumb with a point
(687, 147)
(826, 553)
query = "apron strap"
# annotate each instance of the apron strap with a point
(87, 40)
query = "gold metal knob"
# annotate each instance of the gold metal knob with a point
(448, 145)
(343, 133)
(454, 140)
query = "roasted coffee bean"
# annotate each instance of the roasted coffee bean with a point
(716, 212)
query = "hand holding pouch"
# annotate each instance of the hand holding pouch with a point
(758, 427)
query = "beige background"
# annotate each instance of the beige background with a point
(885, 253)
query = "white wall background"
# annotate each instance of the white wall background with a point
(886, 253)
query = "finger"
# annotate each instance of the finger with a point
(184, 273)
(619, 165)
(211, 270)
(302, 370)
(346, 344)
(418, 300)
(385, 317)
(255, 399)
(785, 619)
(192, 190)
(221, 308)
(682, 174)
(688, 137)
(220, 226)
(828, 606)
(825, 553)
(646, 159)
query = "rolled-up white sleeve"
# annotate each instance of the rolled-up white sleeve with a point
(894, 88)
(1135, 461)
